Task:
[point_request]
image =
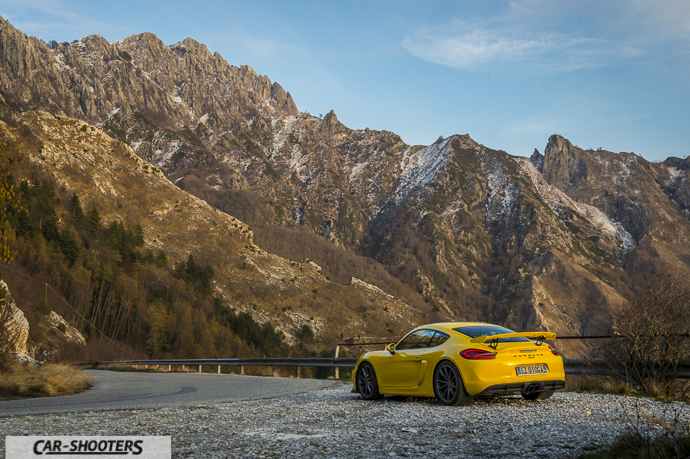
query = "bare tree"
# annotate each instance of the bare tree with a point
(654, 327)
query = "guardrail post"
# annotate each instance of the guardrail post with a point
(337, 370)
(169, 367)
(199, 368)
(218, 369)
(242, 370)
(298, 372)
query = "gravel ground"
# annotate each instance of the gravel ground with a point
(335, 423)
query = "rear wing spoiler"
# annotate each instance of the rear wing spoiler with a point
(539, 336)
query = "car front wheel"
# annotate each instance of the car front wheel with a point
(448, 386)
(367, 385)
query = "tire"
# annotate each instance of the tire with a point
(448, 386)
(543, 395)
(367, 384)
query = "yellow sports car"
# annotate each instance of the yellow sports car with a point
(456, 362)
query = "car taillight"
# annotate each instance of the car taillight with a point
(553, 351)
(477, 354)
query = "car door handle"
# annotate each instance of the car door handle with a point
(417, 359)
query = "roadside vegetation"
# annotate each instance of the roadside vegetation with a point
(44, 381)
(653, 326)
(638, 445)
(653, 329)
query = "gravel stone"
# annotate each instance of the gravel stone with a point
(336, 423)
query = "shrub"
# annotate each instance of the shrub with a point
(307, 333)
(653, 327)
(47, 380)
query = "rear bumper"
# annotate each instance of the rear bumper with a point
(522, 388)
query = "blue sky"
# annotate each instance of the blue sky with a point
(611, 74)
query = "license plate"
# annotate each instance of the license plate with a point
(531, 370)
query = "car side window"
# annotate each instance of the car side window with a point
(439, 338)
(416, 340)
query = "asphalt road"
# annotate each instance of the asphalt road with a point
(127, 390)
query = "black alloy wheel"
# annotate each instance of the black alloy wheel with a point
(367, 385)
(543, 395)
(448, 386)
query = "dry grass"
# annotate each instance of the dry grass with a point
(597, 384)
(45, 381)
(636, 444)
(612, 385)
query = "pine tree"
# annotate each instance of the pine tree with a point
(93, 222)
(76, 210)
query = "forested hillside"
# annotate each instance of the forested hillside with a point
(288, 210)
(144, 264)
(118, 289)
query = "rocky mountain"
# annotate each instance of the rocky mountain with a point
(452, 230)
(107, 175)
(15, 345)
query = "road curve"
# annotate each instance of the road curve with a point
(114, 390)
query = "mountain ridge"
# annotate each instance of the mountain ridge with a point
(555, 241)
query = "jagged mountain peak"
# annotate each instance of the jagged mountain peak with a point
(145, 39)
(558, 144)
(175, 86)
(195, 50)
(537, 159)
(550, 242)
(332, 128)
(465, 140)
(95, 39)
(562, 164)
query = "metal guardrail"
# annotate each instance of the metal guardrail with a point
(600, 367)
(572, 366)
(267, 362)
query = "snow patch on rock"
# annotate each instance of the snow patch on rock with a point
(420, 168)
(555, 198)
(503, 194)
(281, 136)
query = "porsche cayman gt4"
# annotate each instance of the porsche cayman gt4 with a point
(456, 362)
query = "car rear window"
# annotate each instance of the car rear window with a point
(474, 331)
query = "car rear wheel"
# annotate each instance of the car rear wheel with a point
(543, 395)
(367, 385)
(448, 386)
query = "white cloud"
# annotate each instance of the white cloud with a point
(543, 35)
(469, 47)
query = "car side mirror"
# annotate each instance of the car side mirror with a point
(390, 347)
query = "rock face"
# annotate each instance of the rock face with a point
(54, 321)
(553, 242)
(55, 332)
(91, 79)
(16, 325)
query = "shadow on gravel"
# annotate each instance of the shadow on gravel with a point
(487, 401)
